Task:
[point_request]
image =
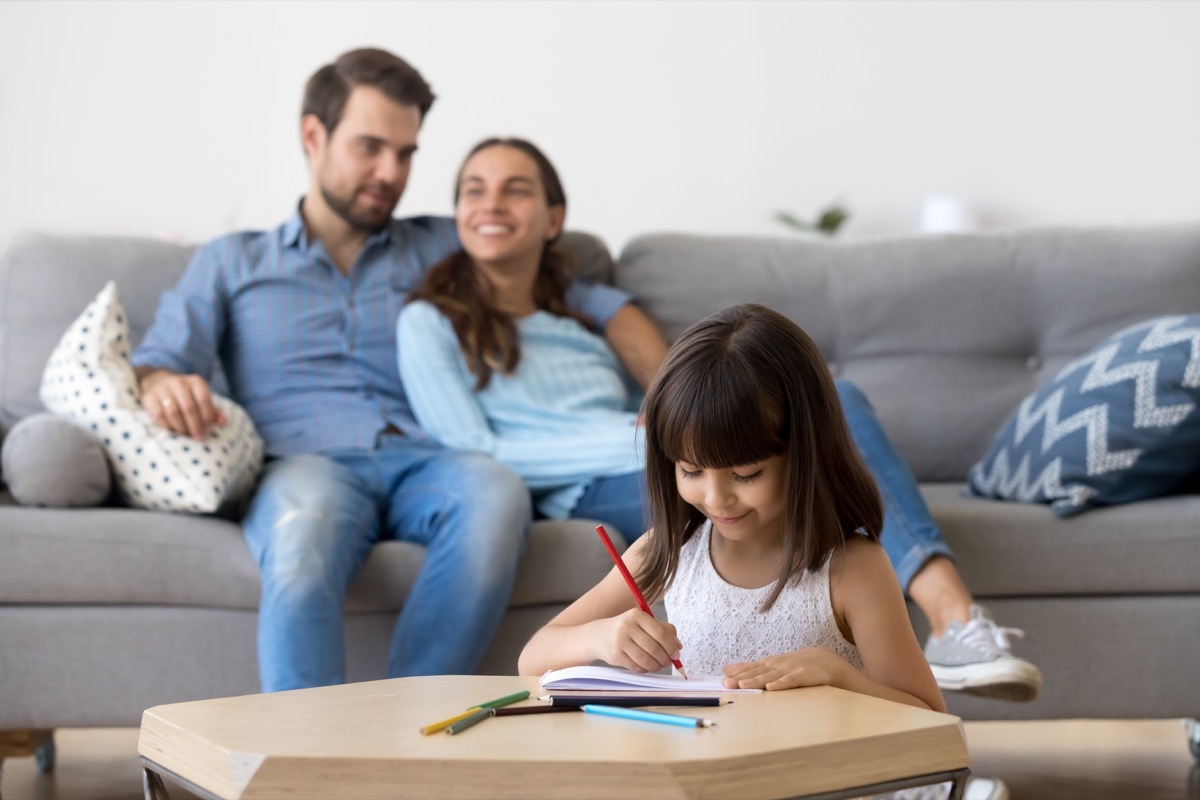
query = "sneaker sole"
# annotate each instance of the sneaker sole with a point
(998, 680)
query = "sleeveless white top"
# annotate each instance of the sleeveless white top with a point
(720, 623)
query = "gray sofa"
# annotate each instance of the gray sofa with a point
(106, 611)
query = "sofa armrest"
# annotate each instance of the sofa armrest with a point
(48, 461)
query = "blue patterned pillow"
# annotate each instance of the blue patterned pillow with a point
(1119, 424)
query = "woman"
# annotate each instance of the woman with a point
(494, 359)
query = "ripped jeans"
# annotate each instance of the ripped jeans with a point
(313, 522)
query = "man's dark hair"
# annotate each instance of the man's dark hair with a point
(326, 92)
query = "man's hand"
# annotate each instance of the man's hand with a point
(181, 403)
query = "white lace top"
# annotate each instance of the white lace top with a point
(720, 623)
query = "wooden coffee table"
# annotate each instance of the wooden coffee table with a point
(361, 742)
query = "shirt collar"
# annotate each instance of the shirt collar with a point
(293, 229)
(296, 235)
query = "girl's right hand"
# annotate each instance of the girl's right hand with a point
(639, 642)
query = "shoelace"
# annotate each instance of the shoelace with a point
(982, 634)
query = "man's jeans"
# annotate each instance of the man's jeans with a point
(314, 520)
(910, 536)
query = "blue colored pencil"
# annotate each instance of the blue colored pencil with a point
(649, 716)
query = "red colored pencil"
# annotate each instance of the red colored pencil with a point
(633, 587)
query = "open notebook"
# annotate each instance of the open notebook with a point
(598, 678)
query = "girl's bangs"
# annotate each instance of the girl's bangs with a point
(720, 435)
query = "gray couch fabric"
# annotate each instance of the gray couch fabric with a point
(49, 461)
(945, 334)
(107, 611)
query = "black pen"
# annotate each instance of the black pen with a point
(631, 700)
(541, 709)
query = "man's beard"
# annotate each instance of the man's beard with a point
(344, 208)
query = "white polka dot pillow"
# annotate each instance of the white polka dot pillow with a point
(89, 380)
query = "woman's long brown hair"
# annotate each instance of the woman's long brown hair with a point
(740, 386)
(488, 336)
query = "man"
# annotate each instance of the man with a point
(302, 321)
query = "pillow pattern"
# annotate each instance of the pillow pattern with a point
(1119, 424)
(90, 381)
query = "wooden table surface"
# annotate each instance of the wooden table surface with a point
(361, 740)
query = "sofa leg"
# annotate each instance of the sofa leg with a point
(47, 756)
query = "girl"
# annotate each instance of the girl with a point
(765, 538)
(494, 359)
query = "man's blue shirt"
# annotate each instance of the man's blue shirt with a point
(307, 350)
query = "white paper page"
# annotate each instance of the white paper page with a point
(599, 678)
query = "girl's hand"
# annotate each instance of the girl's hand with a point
(812, 666)
(637, 641)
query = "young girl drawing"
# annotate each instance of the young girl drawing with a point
(765, 538)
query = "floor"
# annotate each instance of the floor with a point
(1071, 760)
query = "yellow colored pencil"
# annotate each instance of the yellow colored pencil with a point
(508, 699)
(446, 723)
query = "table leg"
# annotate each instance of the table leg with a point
(959, 786)
(152, 785)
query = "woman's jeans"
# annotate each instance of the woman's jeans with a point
(314, 520)
(910, 536)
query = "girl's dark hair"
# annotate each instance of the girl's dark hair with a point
(740, 386)
(488, 336)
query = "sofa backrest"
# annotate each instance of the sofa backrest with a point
(945, 334)
(46, 281)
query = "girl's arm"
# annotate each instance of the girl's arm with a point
(869, 606)
(603, 625)
(869, 603)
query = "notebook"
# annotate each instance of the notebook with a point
(598, 678)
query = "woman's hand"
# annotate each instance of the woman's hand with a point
(637, 641)
(812, 666)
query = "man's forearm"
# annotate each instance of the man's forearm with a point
(637, 341)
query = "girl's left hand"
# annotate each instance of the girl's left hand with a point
(812, 666)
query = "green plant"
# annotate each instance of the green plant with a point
(828, 222)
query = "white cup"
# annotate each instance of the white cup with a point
(946, 214)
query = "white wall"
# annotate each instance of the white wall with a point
(180, 118)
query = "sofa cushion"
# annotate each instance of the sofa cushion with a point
(128, 556)
(45, 279)
(89, 380)
(1119, 424)
(1025, 550)
(944, 334)
(50, 462)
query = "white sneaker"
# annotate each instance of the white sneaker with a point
(985, 789)
(976, 789)
(974, 658)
